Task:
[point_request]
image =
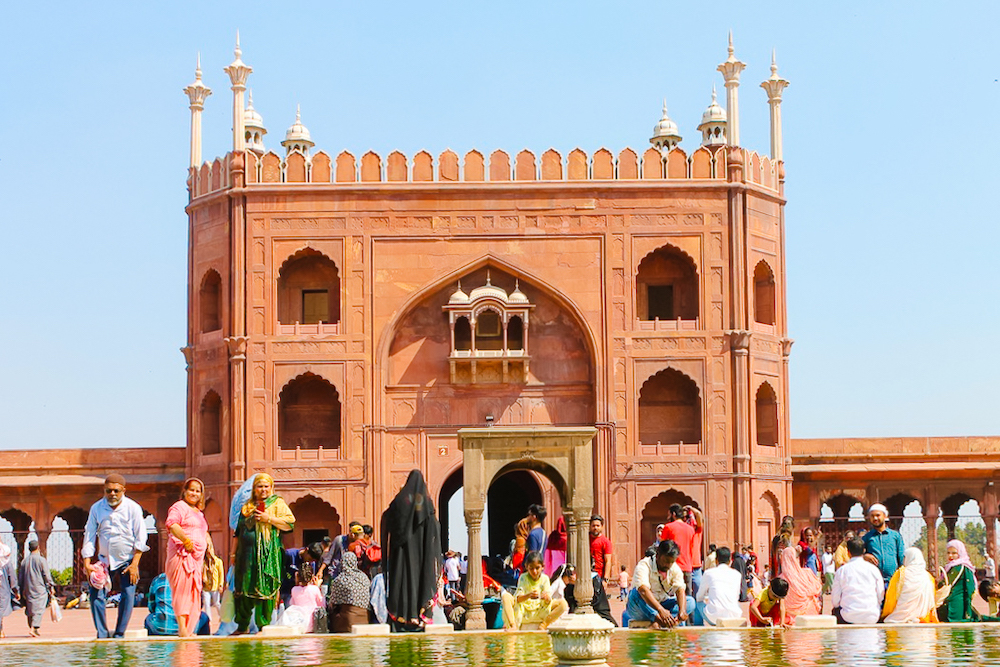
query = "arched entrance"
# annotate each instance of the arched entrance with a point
(657, 511)
(314, 519)
(507, 503)
(564, 455)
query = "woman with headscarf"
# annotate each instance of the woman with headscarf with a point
(258, 566)
(411, 554)
(803, 586)
(959, 575)
(910, 597)
(555, 547)
(350, 595)
(781, 539)
(186, 554)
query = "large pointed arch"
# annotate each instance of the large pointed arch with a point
(488, 259)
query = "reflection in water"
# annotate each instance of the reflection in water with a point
(899, 646)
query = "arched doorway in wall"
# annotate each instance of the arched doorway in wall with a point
(962, 519)
(657, 511)
(768, 520)
(314, 519)
(839, 514)
(62, 549)
(15, 528)
(507, 502)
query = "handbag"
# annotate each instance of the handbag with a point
(54, 611)
(213, 571)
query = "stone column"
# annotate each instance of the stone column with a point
(584, 589)
(740, 345)
(932, 563)
(237, 360)
(774, 87)
(197, 92)
(475, 618)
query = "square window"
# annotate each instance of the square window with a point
(315, 306)
(660, 302)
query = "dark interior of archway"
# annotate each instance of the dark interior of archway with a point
(657, 511)
(507, 503)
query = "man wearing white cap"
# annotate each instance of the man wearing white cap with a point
(884, 547)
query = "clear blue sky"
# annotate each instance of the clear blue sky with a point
(890, 143)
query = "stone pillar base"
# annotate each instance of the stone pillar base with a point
(475, 618)
(581, 639)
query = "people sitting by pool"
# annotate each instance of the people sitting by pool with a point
(989, 590)
(294, 560)
(804, 586)
(350, 595)
(532, 601)
(305, 599)
(910, 596)
(884, 546)
(768, 609)
(958, 586)
(659, 595)
(858, 589)
(161, 620)
(719, 595)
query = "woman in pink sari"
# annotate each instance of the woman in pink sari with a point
(804, 585)
(186, 554)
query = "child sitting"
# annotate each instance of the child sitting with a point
(532, 601)
(306, 598)
(768, 609)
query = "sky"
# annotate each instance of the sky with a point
(889, 141)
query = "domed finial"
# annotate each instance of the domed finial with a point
(732, 52)
(488, 277)
(715, 97)
(197, 68)
(298, 113)
(774, 63)
(239, 53)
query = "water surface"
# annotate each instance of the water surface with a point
(856, 647)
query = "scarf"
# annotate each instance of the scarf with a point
(351, 586)
(963, 557)
(557, 538)
(916, 590)
(803, 585)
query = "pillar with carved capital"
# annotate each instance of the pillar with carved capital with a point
(740, 345)
(196, 92)
(238, 359)
(774, 86)
(238, 72)
(475, 618)
(932, 561)
(584, 588)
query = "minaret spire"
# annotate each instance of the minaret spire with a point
(774, 86)
(238, 72)
(731, 69)
(197, 92)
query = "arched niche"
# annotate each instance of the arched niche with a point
(669, 409)
(766, 409)
(309, 414)
(657, 511)
(210, 423)
(764, 294)
(666, 286)
(308, 289)
(210, 302)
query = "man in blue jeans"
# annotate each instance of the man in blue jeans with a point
(116, 534)
(658, 593)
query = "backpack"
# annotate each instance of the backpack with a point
(371, 556)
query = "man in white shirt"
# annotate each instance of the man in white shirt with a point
(658, 592)
(451, 571)
(463, 570)
(829, 567)
(858, 587)
(719, 595)
(116, 534)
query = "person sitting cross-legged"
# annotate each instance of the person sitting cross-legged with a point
(532, 601)
(719, 595)
(858, 588)
(161, 620)
(658, 593)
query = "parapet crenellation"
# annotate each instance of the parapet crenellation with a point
(724, 164)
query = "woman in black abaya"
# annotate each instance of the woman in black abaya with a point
(411, 548)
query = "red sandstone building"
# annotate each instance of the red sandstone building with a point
(348, 314)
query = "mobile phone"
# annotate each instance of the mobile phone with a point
(261, 507)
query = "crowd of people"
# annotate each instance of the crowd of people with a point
(405, 580)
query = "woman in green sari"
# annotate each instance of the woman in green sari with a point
(258, 566)
(960, 576)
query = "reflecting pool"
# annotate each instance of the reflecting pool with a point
(858, 647)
